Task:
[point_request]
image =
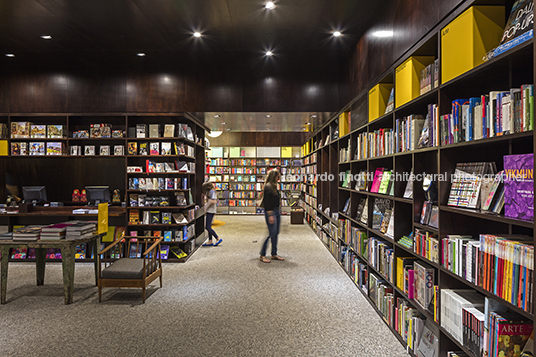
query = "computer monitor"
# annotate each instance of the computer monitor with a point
(97, 194)
(34, 194)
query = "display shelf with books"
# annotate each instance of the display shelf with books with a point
(92, 146)
(462, 198)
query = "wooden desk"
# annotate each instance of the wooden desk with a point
(67, 260)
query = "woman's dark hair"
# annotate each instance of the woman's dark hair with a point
(206, 187)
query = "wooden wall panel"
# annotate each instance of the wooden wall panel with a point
(90, 94)
(4, 94)
(158, 92)
(33, 93)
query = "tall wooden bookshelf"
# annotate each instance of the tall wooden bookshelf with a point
(511, 69)
(105, 164)
(238, 174)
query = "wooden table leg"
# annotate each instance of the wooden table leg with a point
(5, 261)
(67, 261)
(40, 258)
(96, 258)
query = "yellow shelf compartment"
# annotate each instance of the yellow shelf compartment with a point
(344, 124)
(4, 149)
(378, 97)
(467, 38)
(408, 78)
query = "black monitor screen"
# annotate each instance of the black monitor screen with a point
(34, 193)
(98, 194)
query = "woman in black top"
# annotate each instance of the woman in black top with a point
(272, 214)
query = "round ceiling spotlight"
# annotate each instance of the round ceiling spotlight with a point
(337, 34)
(197, 34)
(141, 54)
(46, 37)
(10, 55)
(269, 53)
(269, 5)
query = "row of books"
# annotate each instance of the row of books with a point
(290, 186)
(494, 114)
(503, 265)
(37, 148)
(23, 130)
(144, 200)
(51, 253)
(91, 150)
(429, 78)
(141, 131)
(156, 183)
(242, 203)
(483, 326)
(159, 148)
(377, 143)
(408, 323)
(430, 214)
(311, 159)
(252, 187)
(417, 280)
(170, 235)
(160, 217)
(381, 257)
(99, 131)
(244, 178)
(221, 186)
(382, 295)
(345, 154)
(425, 244)
(243, 194)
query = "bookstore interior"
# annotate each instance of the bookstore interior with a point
(411, 159)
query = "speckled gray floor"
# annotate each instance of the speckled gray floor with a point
(222, 302)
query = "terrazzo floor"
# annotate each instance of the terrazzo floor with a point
(222, 302)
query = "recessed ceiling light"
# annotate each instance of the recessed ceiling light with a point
(197, 34)
(269, 53)
(269, 5)
(216, 116)
(46, 37)
(337, 34)
(141, 54)
(10, 55)
(268, 116)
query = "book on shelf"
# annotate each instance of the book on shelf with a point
(426, 212)
(424, 283)
(380, 206)
(38, 148)
(154, 148)
(408, 192)
(467, 182)
(169, 130)
(346, 209)
(143, 148)
(377, 179)
(38, 131)
(132, 148)
(55, 131)
(518, 28)
(141, 131)
(385, 220)
(519, 186)
(386, 182)
(105, 150)
(428, 345)
(361, 183)
(20, 130)
(154, 130)
(364, 214)
(390, 102)
(434, 217)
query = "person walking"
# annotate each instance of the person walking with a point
(272, 214)
(211, 203)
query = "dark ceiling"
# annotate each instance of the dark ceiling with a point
(109, 34)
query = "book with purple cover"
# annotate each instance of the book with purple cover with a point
(519, 186)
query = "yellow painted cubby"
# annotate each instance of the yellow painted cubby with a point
(467, 38)
(407, 78)
(378, 97)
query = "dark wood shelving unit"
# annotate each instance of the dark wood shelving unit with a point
(508, 70)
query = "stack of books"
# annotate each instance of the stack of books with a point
(80, 230)
(27, 233)
(54, 232)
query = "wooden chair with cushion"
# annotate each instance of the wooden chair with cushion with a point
(130, 262)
